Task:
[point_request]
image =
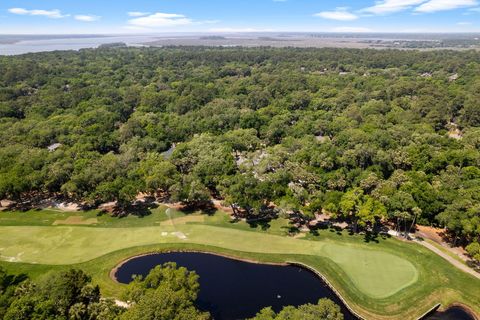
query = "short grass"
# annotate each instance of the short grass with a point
(381, 279)
(183, 220)
(49, 217)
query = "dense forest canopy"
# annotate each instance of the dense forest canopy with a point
(366, 135)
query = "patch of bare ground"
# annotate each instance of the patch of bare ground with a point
(216, 204)
(326, 219)
(35, 201)
(68, 206)
(76, 220)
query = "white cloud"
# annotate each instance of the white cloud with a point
(54, 14)
(475, 9)
(464, 23)
(351, 29)
(137, 13)
(86, 17)
(160, 19)
(340, 14)
(442, 5)
(391, 6)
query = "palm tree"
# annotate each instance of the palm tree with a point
(77, 311)
(416, 213)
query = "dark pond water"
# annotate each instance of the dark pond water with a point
(453, 313)
(232, 289)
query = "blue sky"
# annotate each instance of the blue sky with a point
(145, 16)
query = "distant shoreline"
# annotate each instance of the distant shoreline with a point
(22, 44)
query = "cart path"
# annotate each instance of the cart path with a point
(450, 259)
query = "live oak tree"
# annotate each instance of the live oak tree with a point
(371, 211)
(350, 206)
(248, 193)
(158, 173)
(63, 295)
(166, 293)
(473, 250)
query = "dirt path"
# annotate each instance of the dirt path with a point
(439, 252)
(217, 204)
(436, 235)
(450, 259)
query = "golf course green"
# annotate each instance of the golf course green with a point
(380, 279)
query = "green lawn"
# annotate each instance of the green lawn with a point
(383, 279)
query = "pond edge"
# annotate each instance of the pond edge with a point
(284, 264)
(439, 308)
(113, 271)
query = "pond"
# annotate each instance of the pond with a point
(232, 289)
(453, 313)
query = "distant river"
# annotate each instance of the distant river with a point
(26, 45)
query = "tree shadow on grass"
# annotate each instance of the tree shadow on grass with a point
(262, 220)
(337, 230)
(291, 230)
(143, 210)
(385, 236)
(315, 230)
(370, 237)
(263, 223)
(207, 208)
(139, 209)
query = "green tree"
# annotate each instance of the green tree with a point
(247, 192)
(473, 250)
(157, 173)
(190, 191)
(166, 293)
(325, 309)
(350, 205)
(370, 211)
(242, 139)
(61, 295)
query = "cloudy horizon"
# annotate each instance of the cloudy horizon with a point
(215, 16)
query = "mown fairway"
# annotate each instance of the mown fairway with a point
(381, 279)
